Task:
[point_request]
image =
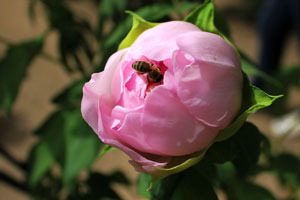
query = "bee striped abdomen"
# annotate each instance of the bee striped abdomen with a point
(142, 67)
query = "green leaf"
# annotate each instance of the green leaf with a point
(204, 17)
(286, 166)
(248, 141)
(81, 148)
(226, 173)
(221, 23)
(109, 7)
(139, 25)
(243, 149)
(154, 12)
(192, 186)
(106, 148)
(253, 100)
(237, 188)
(160, 173)
(221, 152)
(244, 190)
(13, 67)
(72, 33)
(70, 141)
(41, 160)
(189, 184)
(143, 183)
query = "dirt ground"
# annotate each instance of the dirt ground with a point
(44, 79)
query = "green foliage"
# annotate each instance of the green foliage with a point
(41, 158)
(13, 67)
(288, 77)
(286, 166)
(139, 25)
(190, 184)
(205, 17)
(106, 148)
(71, 33)
(66, 139)
(237, 188)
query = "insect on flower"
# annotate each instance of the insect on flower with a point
(154, 74)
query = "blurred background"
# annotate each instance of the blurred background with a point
(52, 45)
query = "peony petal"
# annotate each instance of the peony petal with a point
(105, 85)
(169, 128)
(132, 134)
(208, 47)
(140, 160)
(99, 85)
(89, 103)
(160, 48)
(211, 93)
(111, 137)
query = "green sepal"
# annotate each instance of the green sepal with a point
(253, 100)
(204, 18)
(160, 173)
(139, 25)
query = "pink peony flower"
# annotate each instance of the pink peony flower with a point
(161, 124)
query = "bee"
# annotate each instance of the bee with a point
(154, 74)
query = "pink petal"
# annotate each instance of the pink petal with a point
(211, 86)
(89, 103)
(159, 42)
(211, 93)
(99, 85)
(208, 47)
(169, 128)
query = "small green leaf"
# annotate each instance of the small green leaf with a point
(72, 33)
(139, 25)
(106, 148)
(70, 141)
(154, 12)
(236, 187)
(13, 67)
(244, 190)
(41, 161)
(160, 173)
(194, 186)
(286, 166)
(243, 149)
(204, 17)
(253, 100)
(221, 152)
(248, 141)
(143, 183)
(109, 7)
(189, 184)
(81, 148)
